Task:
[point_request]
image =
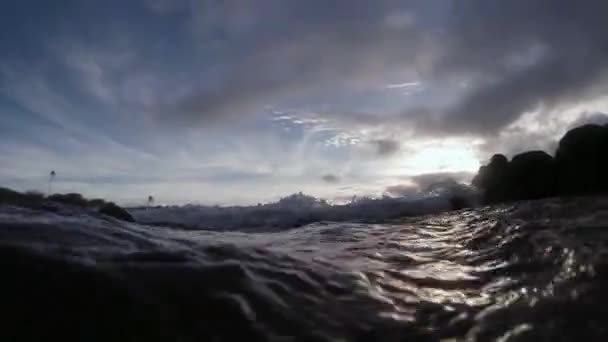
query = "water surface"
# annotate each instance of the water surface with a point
(523, 272)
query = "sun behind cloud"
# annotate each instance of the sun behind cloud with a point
(451, 155)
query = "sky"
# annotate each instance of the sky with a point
(238, 102)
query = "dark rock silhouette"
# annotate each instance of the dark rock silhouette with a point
(459, 202)
(37, 200)
(29, 199)
(580, 167)
(531, 175)
(582, 158)
(491, 179)
(115, 211)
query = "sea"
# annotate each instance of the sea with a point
(525, 271)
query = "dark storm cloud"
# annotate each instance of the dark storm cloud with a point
(523, 55)
(218, 61)
(293, 48)
(510, 56)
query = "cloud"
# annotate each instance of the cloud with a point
(402, 190)
(521, 56)
(357, 80)
(386, 147)
(490, 82)
(427, 180)
(421, 184)
(586, 118)
(235, 59)
(541, 130)
(279, 60)
(402, 85)
(330, 178)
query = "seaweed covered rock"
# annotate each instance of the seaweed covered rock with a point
(115, 211)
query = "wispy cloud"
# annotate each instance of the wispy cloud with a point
(402, 85)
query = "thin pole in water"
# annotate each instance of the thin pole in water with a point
(51, 178)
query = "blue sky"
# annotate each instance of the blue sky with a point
(239, 102)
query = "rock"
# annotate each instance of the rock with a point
(480, 178)
(491, 179)
(115, 211)
(582, 159)
(580, 167)
(30, 199)
(459, 202)
(499, 160)
(532, 175)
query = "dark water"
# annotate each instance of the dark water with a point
(535, 271)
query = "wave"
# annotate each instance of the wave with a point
(298, 210)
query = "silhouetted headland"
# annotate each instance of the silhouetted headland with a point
(37, 200)
(580, 167)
